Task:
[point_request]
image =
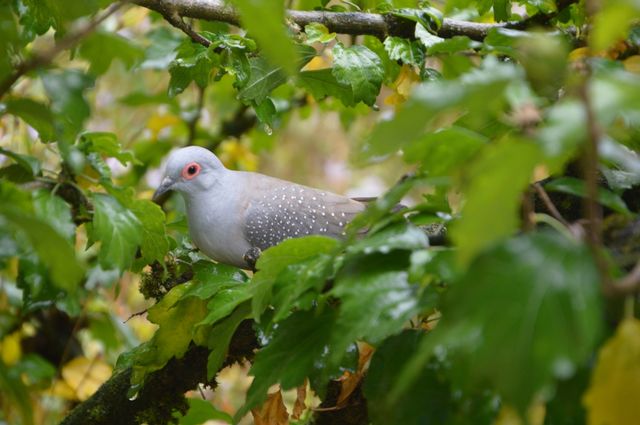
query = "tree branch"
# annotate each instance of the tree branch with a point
(40, 59)
(354, 23)
(163, 392)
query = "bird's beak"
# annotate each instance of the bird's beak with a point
(165, 186)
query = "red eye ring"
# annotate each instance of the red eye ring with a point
(191, 170)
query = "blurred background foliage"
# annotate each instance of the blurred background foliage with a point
(504, 294)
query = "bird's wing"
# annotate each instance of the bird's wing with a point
(282, 210)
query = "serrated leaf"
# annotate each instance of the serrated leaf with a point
(400, 236)
(176, 316)
(154, 243)
(318, 33)
(275, 259)
(193, 62)
(489, 215)
(263, 79)
(56, 212)
(298, 342)
(360, 68)
(404, 50)
(118, 230)
(530, 280)
(106, 144)
(458, 43)
(376, 300)
(616, 377)
(322, 83)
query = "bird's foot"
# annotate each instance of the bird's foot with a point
(251, 257)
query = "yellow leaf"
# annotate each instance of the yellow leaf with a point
(10, 349)
(272, 412)
(402, 86)
(509, 416)
(632, 64)
(579, 53)
(84, 376)
(234, 154)
(318, 62)
(159, 122)
(615, 384)
(61, 389)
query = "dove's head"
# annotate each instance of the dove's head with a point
(190, 171)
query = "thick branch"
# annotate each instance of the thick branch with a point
(163, 392)
(354, 23)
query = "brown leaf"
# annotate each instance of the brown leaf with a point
(272, 411)
(299, 405)
(350, 380)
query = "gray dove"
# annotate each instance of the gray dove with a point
(232, 212)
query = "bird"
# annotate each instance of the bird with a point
(235, 215)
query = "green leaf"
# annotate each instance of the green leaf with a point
(266, 25)
(529, 281)
(577, 187)
(154, 243)
(52, 248)
(501, 10)
(395, 237)
(429, 401)
(360, 68)
(118, 230)
(27, 162)
(429, 17)
(263, 79)
(612, 23)
(404, 50)
(106, 144)
(298, 342)
(193, 62)
(489, 215)
(441, 152)
(479, 93)
(219, 336)
(56, 212)
(176, 317)
(101, 48)
(201, 411)
(322, 83)
(377, 300)
(455, 44)
(35, 114)
(275, 259)
(65, 90)
(318, 33)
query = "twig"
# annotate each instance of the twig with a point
(171, 15)
(355, 23)
(139, 313)
(40, 59)
(628, 284)
(544, 197)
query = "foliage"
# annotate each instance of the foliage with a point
(498, 315)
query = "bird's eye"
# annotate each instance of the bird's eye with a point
(191, 170)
